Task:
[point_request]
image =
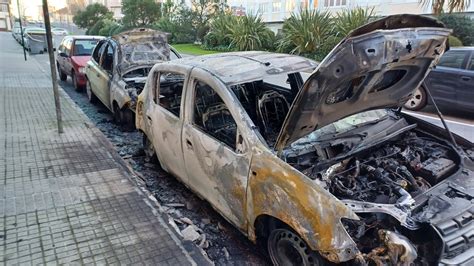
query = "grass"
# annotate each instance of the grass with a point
(192, 49)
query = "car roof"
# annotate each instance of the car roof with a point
(240, 67)
(85, 37)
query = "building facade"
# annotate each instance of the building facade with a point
(5, 22)
(274, 12)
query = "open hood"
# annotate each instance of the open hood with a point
(376, 66)
(141, 47)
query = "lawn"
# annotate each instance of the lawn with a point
(192, 49)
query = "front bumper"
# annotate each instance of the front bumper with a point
(81, 79)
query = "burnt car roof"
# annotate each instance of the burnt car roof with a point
(240, 67)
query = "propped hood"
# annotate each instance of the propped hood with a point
(141, 47)
(376, 66)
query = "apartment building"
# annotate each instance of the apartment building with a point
(274, 12)
(5, 23)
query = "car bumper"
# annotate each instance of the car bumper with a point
(81, 79)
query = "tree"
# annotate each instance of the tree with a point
(87, 18)
(138, 13)
(203, 11)
(437, 6)
(463, 27)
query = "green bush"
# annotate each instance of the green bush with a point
(453, 41)
(349, 20)
(94, 30)
(178, 26)
(308, 32)
(108, 27)
(463, 27)
(219, 32)
(250, 33)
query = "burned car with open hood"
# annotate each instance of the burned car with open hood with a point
(118, 68)
(326, 169)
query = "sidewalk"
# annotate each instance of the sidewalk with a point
(67, 198)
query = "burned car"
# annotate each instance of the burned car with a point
(323, 170)
(118, 68)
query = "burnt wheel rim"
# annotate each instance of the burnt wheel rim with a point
(416, 99)
(287, 248)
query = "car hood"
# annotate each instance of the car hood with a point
(141, 46)
(81, 60)
(376, 66)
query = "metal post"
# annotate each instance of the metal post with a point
(54, 77)
(21, 29)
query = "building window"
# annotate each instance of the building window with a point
(3, 8)
(335, 3)
(290, 5)
(276, 6)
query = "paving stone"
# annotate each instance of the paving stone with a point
(62, 199)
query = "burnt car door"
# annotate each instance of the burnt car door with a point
(165, 117)
(445, 78)
(93, 66)
(215, 154)
(465, 90)
(104, 75)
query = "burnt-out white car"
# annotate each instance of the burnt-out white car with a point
(323, 170)
(118, 68)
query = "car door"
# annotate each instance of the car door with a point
(165, 117)
(67, 65)
(62, 55)
(104, 75)
(93, 66)
(443, 80)
(216, 161)
(465, 90)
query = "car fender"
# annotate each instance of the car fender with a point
(278, 190)
(118, 94)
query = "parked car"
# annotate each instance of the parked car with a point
(35, 40)
(72, 56)
(118, 69)
(59, 31)
(451, 83)
(321, 170)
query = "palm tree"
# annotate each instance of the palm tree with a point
(453, 5)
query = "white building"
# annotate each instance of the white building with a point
(5, 23)
(275, 11)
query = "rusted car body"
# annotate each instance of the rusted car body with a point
(119, 66)
(319, 170)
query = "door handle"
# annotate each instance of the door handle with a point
(189, 144)
(465, 78)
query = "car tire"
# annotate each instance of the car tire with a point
(149, 150)
(127, 119)
(418, 100)
(285, 247)
(62, 76)
(90, 94)
(74, 82)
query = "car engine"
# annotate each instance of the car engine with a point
(379, 184)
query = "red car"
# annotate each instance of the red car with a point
(72, 55)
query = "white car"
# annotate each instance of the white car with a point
(59, 31)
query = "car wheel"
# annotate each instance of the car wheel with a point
(127, 119)
(74, 82)
(149, 150)
(418, 99)
(288, 248)
(62, 76)
(90, 93)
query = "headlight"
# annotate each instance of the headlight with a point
(82, 70)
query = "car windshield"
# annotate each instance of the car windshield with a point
(344, 125)
(84, 47)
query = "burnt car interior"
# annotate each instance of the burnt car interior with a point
(267, 104)
(169, 91)
(212, 115)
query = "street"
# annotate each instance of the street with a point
(225, 244)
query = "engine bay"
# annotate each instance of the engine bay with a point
(380, 184)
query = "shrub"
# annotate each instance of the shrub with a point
(219, 32)
(348, 20)
(94, 30)
(463, 27)
(250, 33)
(453, 41)
(310, 32)
(108, 27)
